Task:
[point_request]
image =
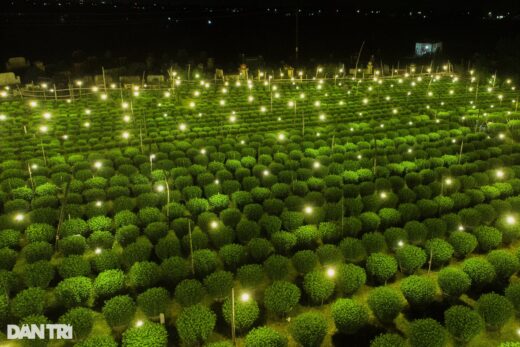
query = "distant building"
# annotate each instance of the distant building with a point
(427, 48)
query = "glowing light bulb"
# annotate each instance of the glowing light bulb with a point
(265, 172)
(245, 297)
(281, 136)
(510, 220)
(213, 225)
(44, 129)
(331, 272)
(448, 181)
(98, 250)
(125, 135)
(19, 217)
(98, 203)
(203, 151)
(308, 209)
(499, 173)
(139, 323)
(383, 195)
(98, 164)
(160, 188)
(182, 127)
(316, 165)
(3, 117)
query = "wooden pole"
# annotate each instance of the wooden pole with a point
(233, 335)
(191, 248)
(358, 57)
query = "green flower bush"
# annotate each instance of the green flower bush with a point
(427, 332)
(149, 334)
(38, 274)
(81, 319)
(28, 302)
(349, 278)
(463, 243)
(381, 267)
(195, 324)
(75, 291)
(318, 286)
(246, 313)
(119, 311)
(410, 258)
(109, 283)
(265, 337)
(219, 284)
(349, 315)
(453, 281)
(281, 297)
(463, 323)
(189, 292)
(419, 291)
(309, 329)
(386, 303)
(480, 271)
(495, 309)
(153, 301)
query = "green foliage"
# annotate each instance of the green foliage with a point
(495, 309)
(219, 284)
(246, 312)
(385, 302)
(205, 262)
(189, 292)
(463, 243)
(349, 278)
(36, 251)
(81, 319)
(281, 297)
(98, 341)
(318, 286)
(195, 324)
(38, 274)
(463, 323)
(304, 261)
(381, 267)
(488, 238)
(144, 274)
(28, 302)
(427, 332)
(251, 275)
(148, 335)
(480, 271)
(419, 291)
(73, 266)
(153, 301)
(265, 337)
(108, 283)
(75, 291)
(174, 270)
(410, 258)
(349, 315)
(309, 329)
(277, 267)
(453, 281)
(505, 263)
(513, 294)
(439, 251)
(119, 310)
